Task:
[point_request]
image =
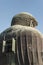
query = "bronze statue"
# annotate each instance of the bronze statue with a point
(21, 44)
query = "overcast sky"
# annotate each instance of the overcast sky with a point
(9, 8)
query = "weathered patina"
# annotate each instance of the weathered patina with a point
(21, 44)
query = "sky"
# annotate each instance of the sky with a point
(9, 8)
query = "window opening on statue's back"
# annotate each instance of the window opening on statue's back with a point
(8, 47)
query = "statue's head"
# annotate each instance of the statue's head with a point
(24, 19)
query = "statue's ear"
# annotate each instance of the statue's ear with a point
(31, 23)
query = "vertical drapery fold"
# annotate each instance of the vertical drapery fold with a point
(34, 49)
(39, 49)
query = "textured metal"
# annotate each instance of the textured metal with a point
(29, 47)
(24, 19)
(21, 45)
